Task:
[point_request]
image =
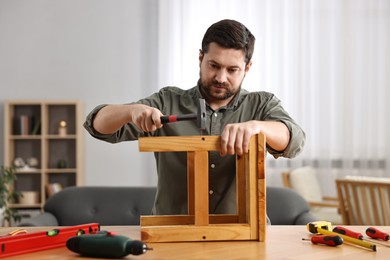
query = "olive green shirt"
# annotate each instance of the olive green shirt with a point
(171, 197)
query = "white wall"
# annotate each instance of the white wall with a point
(95, 51)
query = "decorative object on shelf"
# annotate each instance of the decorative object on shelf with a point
(23, 125)
(61, 164)
(29, 197)
(62, 129)
(36, 127)
(8, 195)
(32, 162)
(19, 162)
(29, 164)
(53, 188)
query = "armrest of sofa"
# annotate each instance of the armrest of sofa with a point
(44, 219)
(286, 207)
(304, 218)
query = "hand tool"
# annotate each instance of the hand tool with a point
(200, 116)
(326, 240)
(375, 233)
(324, 227)
(347, 232)
(105, 245)
(31, 242)
(350, 233)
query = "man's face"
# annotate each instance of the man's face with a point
(222, 71)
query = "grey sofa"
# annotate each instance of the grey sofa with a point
(103, 205)
(124, 205)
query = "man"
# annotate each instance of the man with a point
(232, 112)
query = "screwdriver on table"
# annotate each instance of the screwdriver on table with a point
(371, 232)
(326, 240)
(347, 232)
(376, 233)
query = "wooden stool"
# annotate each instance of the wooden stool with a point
(250, 221)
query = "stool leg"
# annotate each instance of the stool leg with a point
(201, 185)
(190, 183)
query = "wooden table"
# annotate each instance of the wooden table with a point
(283, 242)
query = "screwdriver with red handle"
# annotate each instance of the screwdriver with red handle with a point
(376, 233)
(347, 232)
(371, 232)
(332, 240)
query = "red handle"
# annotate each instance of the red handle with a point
(347, 232)
(375, 233)
(327, 240)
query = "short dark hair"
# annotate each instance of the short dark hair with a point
(230, 34)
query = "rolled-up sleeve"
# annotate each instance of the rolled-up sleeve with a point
(274, 111)
(88, 124)
(296, 144)
(127, 133)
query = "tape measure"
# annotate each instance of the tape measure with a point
(312, 226)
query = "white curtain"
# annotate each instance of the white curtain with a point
(327, 60)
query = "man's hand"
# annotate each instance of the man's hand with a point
(146, 118)
(235, 138)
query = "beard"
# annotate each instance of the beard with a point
(214, 90)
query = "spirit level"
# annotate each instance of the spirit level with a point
(42, 240)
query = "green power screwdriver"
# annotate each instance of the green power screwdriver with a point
(104, 244)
